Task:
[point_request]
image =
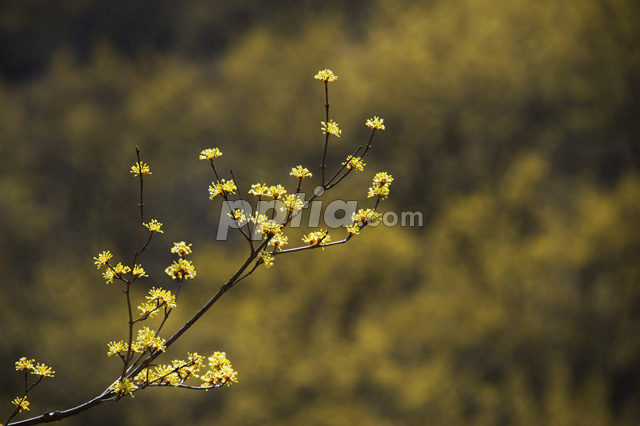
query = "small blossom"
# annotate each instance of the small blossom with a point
(376, 123)
(259, 190)
(223, 188)
(123, 387)
(157, 298)
(317, 238)
(300, 172)
(138, 271)
(276, 191)
(181, 248)
(381, 192)
(43, 371)
(210, 154)
(326, 76)
(24, 364)
(292, 203)
(238, 216)
(353, 229)
(355, 163)
(266, 259)
(147, 340)
(331, 128)
(182, 269)
(269, 227)
(102, 259)
(140, 168)
(382, 178)
(278, 240)
(116, 348)
(365, 216)
(21, 403)
(154, 226)
(221, 373)
(116, 272)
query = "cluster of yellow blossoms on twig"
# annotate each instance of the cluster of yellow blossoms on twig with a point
(266, 240)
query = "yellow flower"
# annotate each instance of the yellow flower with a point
(102, 259)
(259, 190)
(382, 178)
(182, 269)
(223, 188)
(123, 387)
(331, 128)
(24, 364)
(269, 227)
(221, 373)
(353, 229)
(138, 271)
(238, 215)
(292, 203)
(376, 123)
(326, 76)
(21, 403)
(181, 248)
(162, 298)
(278, 240)
(43, 371)
(147, 340)
(381, 192)
(115, 348)
(140, 168)
(317, 238)
(355, 163)
(158, 298)
(365, 216)
(116, 272)
(210, 154)
(266, 258)
(300, 172)
(154, 226)
(276, 191)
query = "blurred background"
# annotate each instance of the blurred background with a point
(512, 126)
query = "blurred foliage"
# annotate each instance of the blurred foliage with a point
(511, 125)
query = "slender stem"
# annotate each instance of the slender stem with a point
(326, 139)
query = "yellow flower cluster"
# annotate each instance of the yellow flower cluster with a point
(157, 299)
(381, 183)
(223, 188)
(238, 215)
(355, 163)
(140, 168)
(317, 238)
(146, 340)
(221, 372)
(21, 403)
(375, 123)
(266, 259)
(278, 240)
(123, 387)
(38, 369)
(102, 259)
(326, 76)
(363, 216)
(117, 271)
(331, 128)
(154, 226)
(292, 203)
(300, 172)
(181, 269)
(181, 248)
(172, 375)
(210, 154)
